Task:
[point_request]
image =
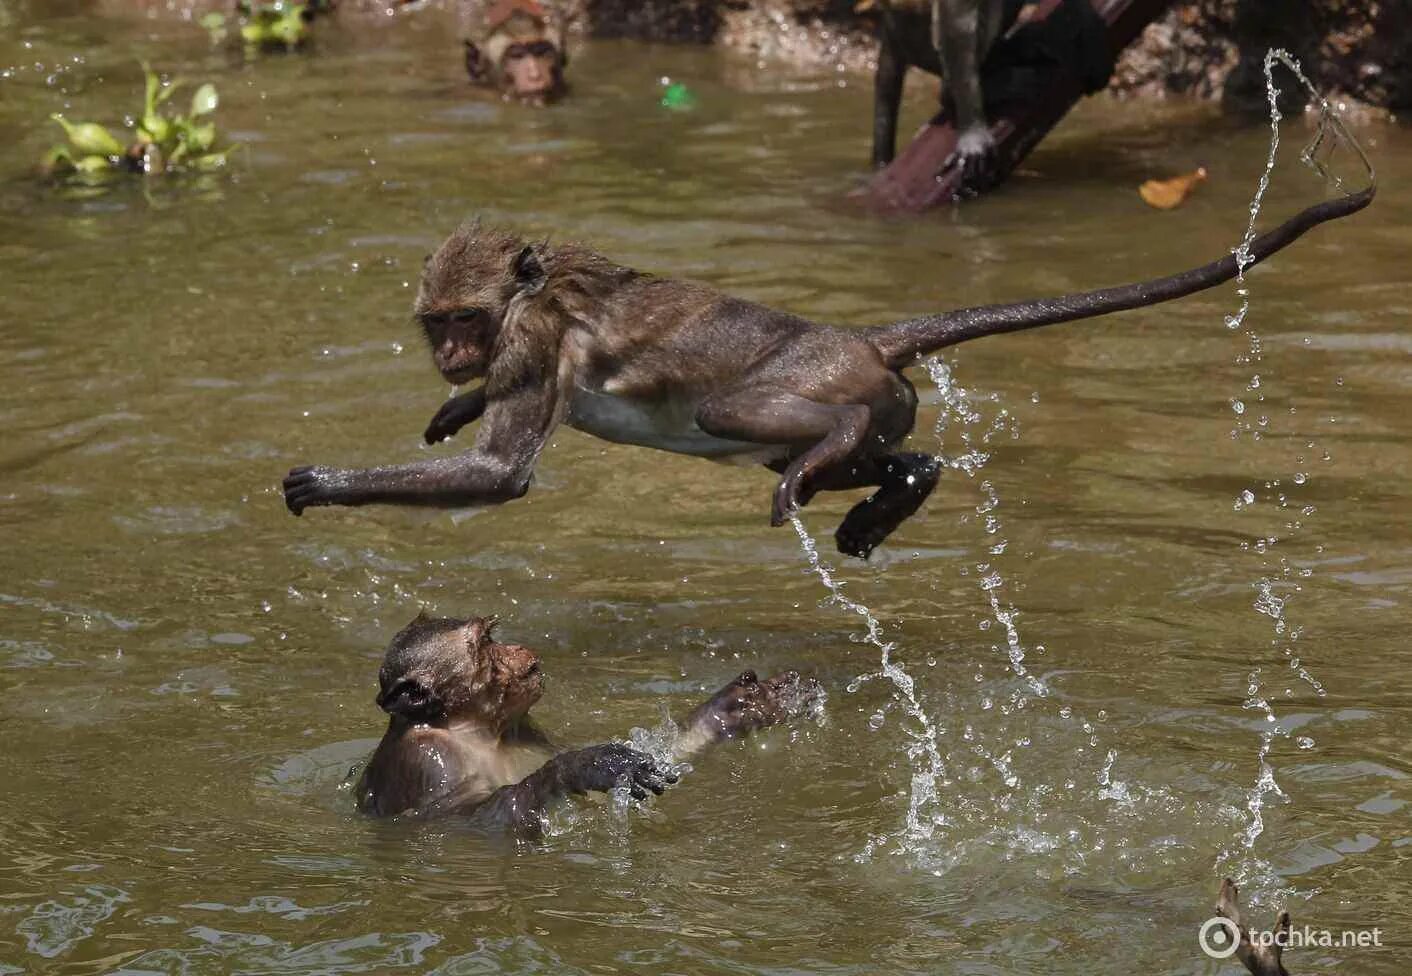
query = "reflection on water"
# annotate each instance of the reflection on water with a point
(188, 671)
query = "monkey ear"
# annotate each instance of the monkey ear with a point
(412, 700)
(475, 63)
(529, 273)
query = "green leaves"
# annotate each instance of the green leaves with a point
(162, 142)
(205, 100)
(89, 138)
(214, 23)
(275, 24)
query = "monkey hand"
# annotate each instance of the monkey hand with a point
(747, 704)
(312, 486)
(599, 769)
(976, 156)
(454, 414)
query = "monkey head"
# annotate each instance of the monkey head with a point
(520, 52)
(468, 287)
(442, 671)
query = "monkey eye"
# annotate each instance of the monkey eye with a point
(535, 49)
(466, 316)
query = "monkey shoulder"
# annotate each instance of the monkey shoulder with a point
(411, 769)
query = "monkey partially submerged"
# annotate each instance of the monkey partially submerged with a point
(518, 48)
(459, 739)
(563, 335)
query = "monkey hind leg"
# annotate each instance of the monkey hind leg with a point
(905, 482)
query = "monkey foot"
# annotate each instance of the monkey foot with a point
(911, 478)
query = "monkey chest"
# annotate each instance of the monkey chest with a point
(667, 424)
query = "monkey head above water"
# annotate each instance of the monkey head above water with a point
(459, 739)
(561, 334)
(519, 50)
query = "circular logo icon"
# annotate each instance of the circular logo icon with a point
(1218, 937)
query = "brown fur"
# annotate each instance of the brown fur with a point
(459, 739)
(562, 334)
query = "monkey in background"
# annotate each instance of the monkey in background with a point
(459, 739)
(517, 47)
(956, 39)
(563, 335)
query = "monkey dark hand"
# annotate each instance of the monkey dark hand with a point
(311, 486)
(599, 769)
(454, 414)
(747, 704)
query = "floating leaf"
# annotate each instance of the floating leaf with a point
(90, 138)
(57, 160)
(156, 128)
(1172, 193)
(213, 161)
(92, 164)
(199, 137)
(205, 100)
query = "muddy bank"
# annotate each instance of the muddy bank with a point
(1210, 49)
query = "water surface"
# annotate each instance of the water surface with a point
(188, 672)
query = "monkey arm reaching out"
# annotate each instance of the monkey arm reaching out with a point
(459, 740)
(497, 469)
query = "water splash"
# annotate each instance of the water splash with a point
(956, 401)
(1274, 589)
(924, 813)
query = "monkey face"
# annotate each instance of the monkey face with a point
(518, 676)
(460, 342)
(440, 670)
(531, 71)
(467, 289)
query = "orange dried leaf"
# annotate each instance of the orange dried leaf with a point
(1172, 193)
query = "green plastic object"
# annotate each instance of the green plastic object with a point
(677, 96)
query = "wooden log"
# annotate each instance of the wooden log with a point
(917, 180)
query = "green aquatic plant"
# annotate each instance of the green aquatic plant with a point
(161, 141)
(279, 24)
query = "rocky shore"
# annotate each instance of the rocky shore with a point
(1359, 50)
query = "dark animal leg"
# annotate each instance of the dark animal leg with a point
(905, 481)
(887, 95)
(770, 417)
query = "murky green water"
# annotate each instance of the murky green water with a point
(187, 672)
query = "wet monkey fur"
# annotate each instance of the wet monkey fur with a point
(561, 334)
(459, 739)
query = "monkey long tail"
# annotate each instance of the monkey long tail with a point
(903, 343)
